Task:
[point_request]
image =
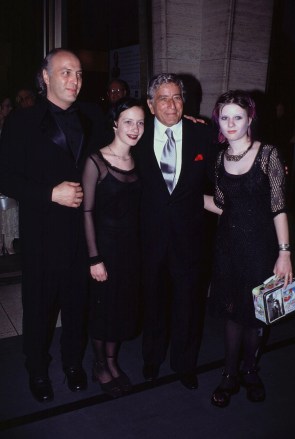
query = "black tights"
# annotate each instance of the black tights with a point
(106, 353)
(241, 342)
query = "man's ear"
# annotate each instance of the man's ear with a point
(45, 76)
(150, 105)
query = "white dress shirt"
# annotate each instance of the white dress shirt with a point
(160, 138)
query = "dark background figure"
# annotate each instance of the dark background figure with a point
(282, 126)
(25, 97)
(5, 108)
(41, 155)
(193, 94)
(172, 231)
(116, 89)
(261, 127)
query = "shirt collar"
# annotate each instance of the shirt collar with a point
(160, 128)
(55, 109)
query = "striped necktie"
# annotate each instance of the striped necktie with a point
(168, 160)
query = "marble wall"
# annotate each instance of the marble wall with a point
(223, 43)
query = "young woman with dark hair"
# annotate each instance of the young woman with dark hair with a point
(111, 204)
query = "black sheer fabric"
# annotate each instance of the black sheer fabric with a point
(246, 245)
(111, 208)
(241, 343)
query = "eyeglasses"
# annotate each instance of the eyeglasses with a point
(116, 90)
(24, 98)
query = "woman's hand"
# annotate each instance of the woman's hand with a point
(98, 272)
(283, 267)
(210, 205)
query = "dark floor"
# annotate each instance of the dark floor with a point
(166, 411)
(10, 263)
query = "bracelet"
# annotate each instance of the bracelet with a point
(285, 247)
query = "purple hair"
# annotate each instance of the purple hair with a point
(238, 97)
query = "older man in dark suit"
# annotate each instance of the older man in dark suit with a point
(41, 155)
(173, 165)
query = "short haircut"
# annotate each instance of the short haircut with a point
(164, 78)
(238, 97)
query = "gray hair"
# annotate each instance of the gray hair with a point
(164, 78)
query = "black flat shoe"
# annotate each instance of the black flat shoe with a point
(150, 372)
(253, 384)
(111, 388)
(76, 378)
(189, 380)
(41, 389)
(124, 382)
(222, 394)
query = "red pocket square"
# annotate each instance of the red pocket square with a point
(199, 157)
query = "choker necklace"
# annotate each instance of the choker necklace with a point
(236, 158)
(125, 159)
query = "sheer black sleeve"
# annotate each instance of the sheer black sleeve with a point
(273, 166)
(218, 197)
(92, 175)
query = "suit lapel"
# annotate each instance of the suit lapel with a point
(52, 130)
(86, 128)
(185, 158)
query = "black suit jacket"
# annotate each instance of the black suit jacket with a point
(174, 222)
(34, 159)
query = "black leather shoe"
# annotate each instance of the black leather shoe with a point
(77, 378)
(112, 388)
(150, 372)
(253, 384)
(41, 388)
(229, 385)
(124, 382)
(189, 380)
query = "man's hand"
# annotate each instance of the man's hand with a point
(194, 119)
(67, 194)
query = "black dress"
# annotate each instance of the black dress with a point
(111, 206)
(246, 243)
